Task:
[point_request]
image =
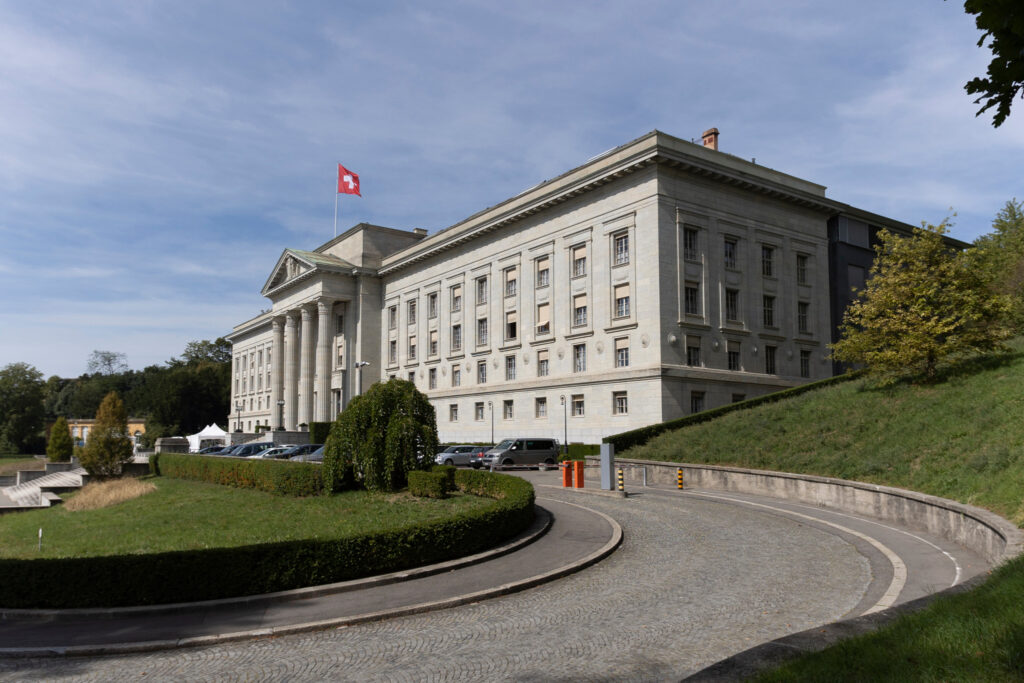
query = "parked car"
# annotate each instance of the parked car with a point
(272, 453)
(304, 449)
(521, 452)
(457, 455)
(209, 450)
(247, 449)
(314, 456)
(220, 450)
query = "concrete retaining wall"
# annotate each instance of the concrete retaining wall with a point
(986, 533)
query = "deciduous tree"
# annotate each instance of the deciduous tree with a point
(107, 362)
(109, 447)
(21, 407)
(1003, 22)
(999, 258)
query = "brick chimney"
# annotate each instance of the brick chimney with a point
(710, 137)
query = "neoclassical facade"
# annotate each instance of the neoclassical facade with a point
(656, 280)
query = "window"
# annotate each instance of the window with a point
(732, 304)
(622, 301)
(620, 245)
(696, 401)
(456, 298)
(511, 280)
(690, 252)
(412, 347)
(412, 312)
(733, 354)
(432, 305)
(691, 294)
(481, 372)
(453, 412)
(507, 410)
(456, 337)
(622, 352)
(456, 376)
(432, 350)
(769, 360)
(393, 351)
(341, 356)
(412, 376)
(577, 405)
(730, 252)
(478, 410)
(767, 261)
(540, 407)
(620, 403)
(855, 277)
(768, 310)
(392, 317)
(802, 309)
(432, 378)
(579, 310)
(542, 363)
(511, 326)
(579, 261)
(543, 319)
(481, 290)
(805, 363)
(510, 367)
(736, 398)
(543, 271)
(579, 357)
(693, 351)
(481, 331)
(801, 269)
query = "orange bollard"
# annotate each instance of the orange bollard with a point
(566, 475)
(577, 473)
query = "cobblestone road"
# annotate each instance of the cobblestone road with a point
(693, 582)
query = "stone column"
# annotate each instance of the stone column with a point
(306, 368)
(321, 411)
(291, 370)
(276, 372)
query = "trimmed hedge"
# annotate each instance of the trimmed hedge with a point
(638, 437)
(184, 576)
(282, 477)
(319, 431)
(431, 484)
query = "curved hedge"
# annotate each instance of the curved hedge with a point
(185, 576)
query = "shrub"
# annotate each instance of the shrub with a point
(319, 431)
(429, 484)
(380, 437)
(282, 477)
(449, 475)
(109, 447)
(60, 447)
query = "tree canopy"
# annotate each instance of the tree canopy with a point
(109, 447)
(60, 447)
(922, 305)
(1003, 22)
(21, 408)
(999, 258)
(107, 362)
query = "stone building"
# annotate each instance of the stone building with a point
(658, 279)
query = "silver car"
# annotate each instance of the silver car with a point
(458, 455)
(521, 452)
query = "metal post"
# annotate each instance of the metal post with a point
(565, 424)
(490, 406)
(238, 416)
(280, 412)
(607, 466)
(679, 478)
(622, 485)
(359, 375)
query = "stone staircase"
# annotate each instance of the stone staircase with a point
(41, 489)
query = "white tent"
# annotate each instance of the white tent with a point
(210, 433)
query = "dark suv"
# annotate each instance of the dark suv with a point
(521, 452)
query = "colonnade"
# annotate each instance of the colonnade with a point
(301, 371)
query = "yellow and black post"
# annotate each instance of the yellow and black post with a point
(679, 478)
(622, 485)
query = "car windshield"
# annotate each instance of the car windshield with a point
(507, 443)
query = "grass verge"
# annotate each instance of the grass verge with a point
(103, 494)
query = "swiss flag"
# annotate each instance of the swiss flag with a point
(348, 182)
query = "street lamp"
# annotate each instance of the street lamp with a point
(490, 406)
(565, 423)
(280, 412)
(359, 371)
(238, 416)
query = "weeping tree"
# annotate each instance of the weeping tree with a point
(109, 447)
(380, 437)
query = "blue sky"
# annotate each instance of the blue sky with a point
(156, 157)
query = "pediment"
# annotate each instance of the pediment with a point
(295, 265)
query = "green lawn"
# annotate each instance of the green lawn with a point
(11, 464)
(183, 515)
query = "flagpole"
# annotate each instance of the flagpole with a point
(335, 214)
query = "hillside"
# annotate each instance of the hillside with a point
(962, 438)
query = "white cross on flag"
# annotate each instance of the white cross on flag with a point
(348, 182)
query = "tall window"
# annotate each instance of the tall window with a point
(543, 319)
(481, 372)
(801, 269)
(432, 378)
(696, 401)
(481, 290)
(507, 409)
(620, 403)
(620, 243)
(540, 407)
(456, 376)
(478, 410)
(511, 280)
(805, 363)
(542, 363)
(622, 301)
(767, 261)
(769, 360)
(730, 252)
(481, 331)
(456, 298)
(453, 412)
(392, 317)
(510, 367)
(432, 305)
(579, 357)
(692, 298)
(733, 355)
(690, 252)
(768, 310)
(732, 304)
(579, 261)
(577, 405)
(802, 310)
(456, 337)
(543, 271)
(393, 352)
(579, 310)
(412, 376)
(622, 352)
(412, 312)
(511, 326)
(412, 347)
(693, 351)
(432, 349)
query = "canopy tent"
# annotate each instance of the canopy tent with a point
(210, 435)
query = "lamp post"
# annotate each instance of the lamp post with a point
(565, 423)
(280, 413)
(238, 416)
(490, 406)
(359, 371)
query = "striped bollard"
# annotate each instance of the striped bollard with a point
(622, 485)
(679, 478)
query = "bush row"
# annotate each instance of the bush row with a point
(282, 477)
(185, 576)
(638, 437)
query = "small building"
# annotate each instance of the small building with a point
(80, 428)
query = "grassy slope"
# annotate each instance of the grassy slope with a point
(963, 439)
(184, 514)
